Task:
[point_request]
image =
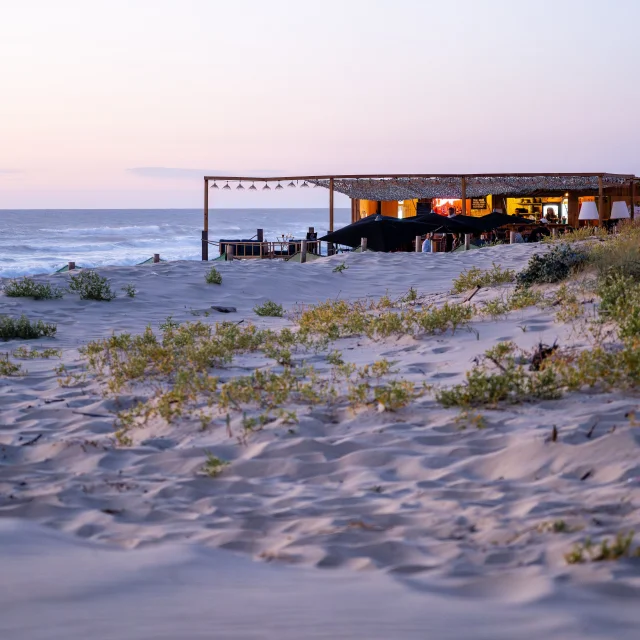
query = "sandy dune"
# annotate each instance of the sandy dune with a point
(425, 521)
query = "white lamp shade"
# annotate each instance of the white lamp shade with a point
(619, 210)
(588, 211)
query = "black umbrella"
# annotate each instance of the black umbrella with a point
(448, 225)
(493, 221)
(383, 233)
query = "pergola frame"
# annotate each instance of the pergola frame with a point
(463, 177)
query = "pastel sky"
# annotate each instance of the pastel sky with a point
(127, 103)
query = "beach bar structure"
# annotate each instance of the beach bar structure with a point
(532, 195)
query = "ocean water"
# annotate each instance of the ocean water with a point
(42, 241)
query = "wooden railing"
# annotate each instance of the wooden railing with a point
(266, 250)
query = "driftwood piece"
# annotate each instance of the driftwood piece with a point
(473, 293)
(224, 309)
(541, 353)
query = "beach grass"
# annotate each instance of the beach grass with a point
(28, 288)
(213, 276)
(475, 277)
(24, 329)
(92, 286)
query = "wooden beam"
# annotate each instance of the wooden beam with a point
(330, 205)
(205, 226)
(627, 176)
(463, 186)
(633, 197)
(600, 199)
(205, 223)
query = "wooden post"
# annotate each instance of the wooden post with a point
(418, 244)
(315, 245)
(600, 199)
(363, 244)
(434, 246)
(205, 224)
(330, 205)
(464, 195)
(260, 235)
(554, 232)
(303, 252)
(512, 237)
(633, 198)
(230, 251)
(156, 257)
(467, 241)
(71, 266)
(573, 209)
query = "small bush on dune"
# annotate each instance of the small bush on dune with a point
(441, 319)
(130, 290)
(29, 288)
(25, 329)
(554, 266)
(519, 299)
(214, 466)
(577, 235)
(338, 318)
(620, 302)
(607, 551)
(31, 354)
(475, 277)
(269, 308)
(213, 276)
(620, 254)
(91, 286)
(8, 368)
(499, 377)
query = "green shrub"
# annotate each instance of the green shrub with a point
(475, 277)
(214, 466)
(498, 377)
(92, 286)
(8, 368)
(339, 318)
(519, 299)
(395, 395)
(29, 288)
(130, 290)
(25, 329)
(620, 301)
(554, 266)
(434, 320)
(619, 254)
(269, 308)
(213, 276)
(606, 551)
(31, 354)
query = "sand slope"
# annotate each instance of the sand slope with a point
(458, 517)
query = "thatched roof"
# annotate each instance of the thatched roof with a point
(409, 188)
